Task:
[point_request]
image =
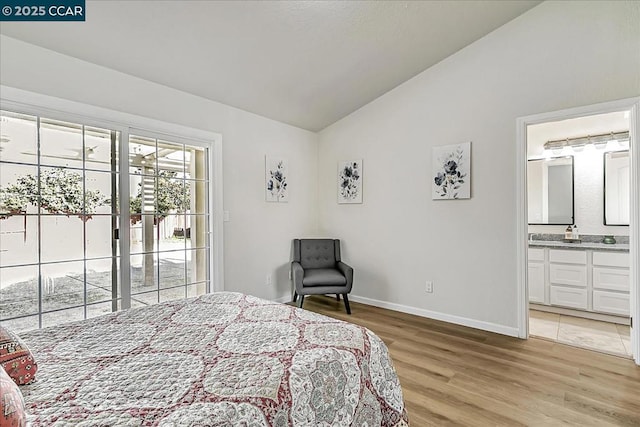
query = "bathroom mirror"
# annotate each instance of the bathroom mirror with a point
(550, 191)
(616, 188)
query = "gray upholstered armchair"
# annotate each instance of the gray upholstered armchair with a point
(318, 269)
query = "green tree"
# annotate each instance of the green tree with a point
(60, 192)
(169, 195)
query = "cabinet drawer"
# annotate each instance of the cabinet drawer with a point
(611, 279)
(611, 302)
(536, 254)
(563, 274)
(611, 259)
(568, 297)
(536, 282)
(569, 257)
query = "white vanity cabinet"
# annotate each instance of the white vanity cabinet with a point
(536, 275)
(611, 283)
(568, 278)
(587, 280)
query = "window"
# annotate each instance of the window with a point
(61, 255)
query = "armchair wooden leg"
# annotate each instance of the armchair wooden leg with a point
(301, 301)
(295, 297)
(346, 303)
(338, 297)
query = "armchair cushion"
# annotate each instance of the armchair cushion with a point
(317, 253)
(323, 277)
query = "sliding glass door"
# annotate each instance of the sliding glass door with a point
(58, 209)
(60, 248)
(169, 243)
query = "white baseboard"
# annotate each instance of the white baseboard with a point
(472, 323)
(477, 324)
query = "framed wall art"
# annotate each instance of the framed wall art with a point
(276, 179)
(350, 181)
(451, 172)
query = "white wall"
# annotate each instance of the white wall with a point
(258, 236)
(558, 55)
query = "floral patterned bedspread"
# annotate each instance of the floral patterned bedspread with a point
(223, 359)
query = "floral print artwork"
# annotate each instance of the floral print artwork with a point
(276, 180)
(350, 181)
(451, 177)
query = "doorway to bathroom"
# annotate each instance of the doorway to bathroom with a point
(578, 212)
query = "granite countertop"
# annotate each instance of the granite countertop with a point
(620, 247)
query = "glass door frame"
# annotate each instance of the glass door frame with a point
(19, 101)
(125, 226)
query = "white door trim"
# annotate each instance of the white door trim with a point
(633, 106)
(44, 105)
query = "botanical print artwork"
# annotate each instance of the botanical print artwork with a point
(276, 178)
(451, 177)
(350, 181)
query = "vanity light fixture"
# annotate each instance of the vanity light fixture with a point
(578, 147)
(577, 144)
(600, 145)
(556, 147)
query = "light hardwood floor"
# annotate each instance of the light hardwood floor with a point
(453, 375)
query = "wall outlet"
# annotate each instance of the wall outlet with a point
(429, 287)
(268, 279)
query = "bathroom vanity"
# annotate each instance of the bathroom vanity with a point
(591, 277)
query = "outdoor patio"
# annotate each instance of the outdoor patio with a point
(63, 297)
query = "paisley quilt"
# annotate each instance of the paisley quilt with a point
(222, 359)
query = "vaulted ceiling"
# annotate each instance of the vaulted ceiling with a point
(306, 63)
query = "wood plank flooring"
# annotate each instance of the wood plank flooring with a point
(454, 375)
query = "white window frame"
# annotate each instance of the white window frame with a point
(21, 101)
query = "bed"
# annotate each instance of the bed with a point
(222, 359)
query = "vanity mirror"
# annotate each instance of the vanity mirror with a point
(550, 191)
(616, 188)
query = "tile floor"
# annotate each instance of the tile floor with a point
(592, 334)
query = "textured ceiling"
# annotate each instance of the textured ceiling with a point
(306, 63)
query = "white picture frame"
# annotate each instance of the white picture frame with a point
(350, 176)
(451, 172)
(276, 179)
